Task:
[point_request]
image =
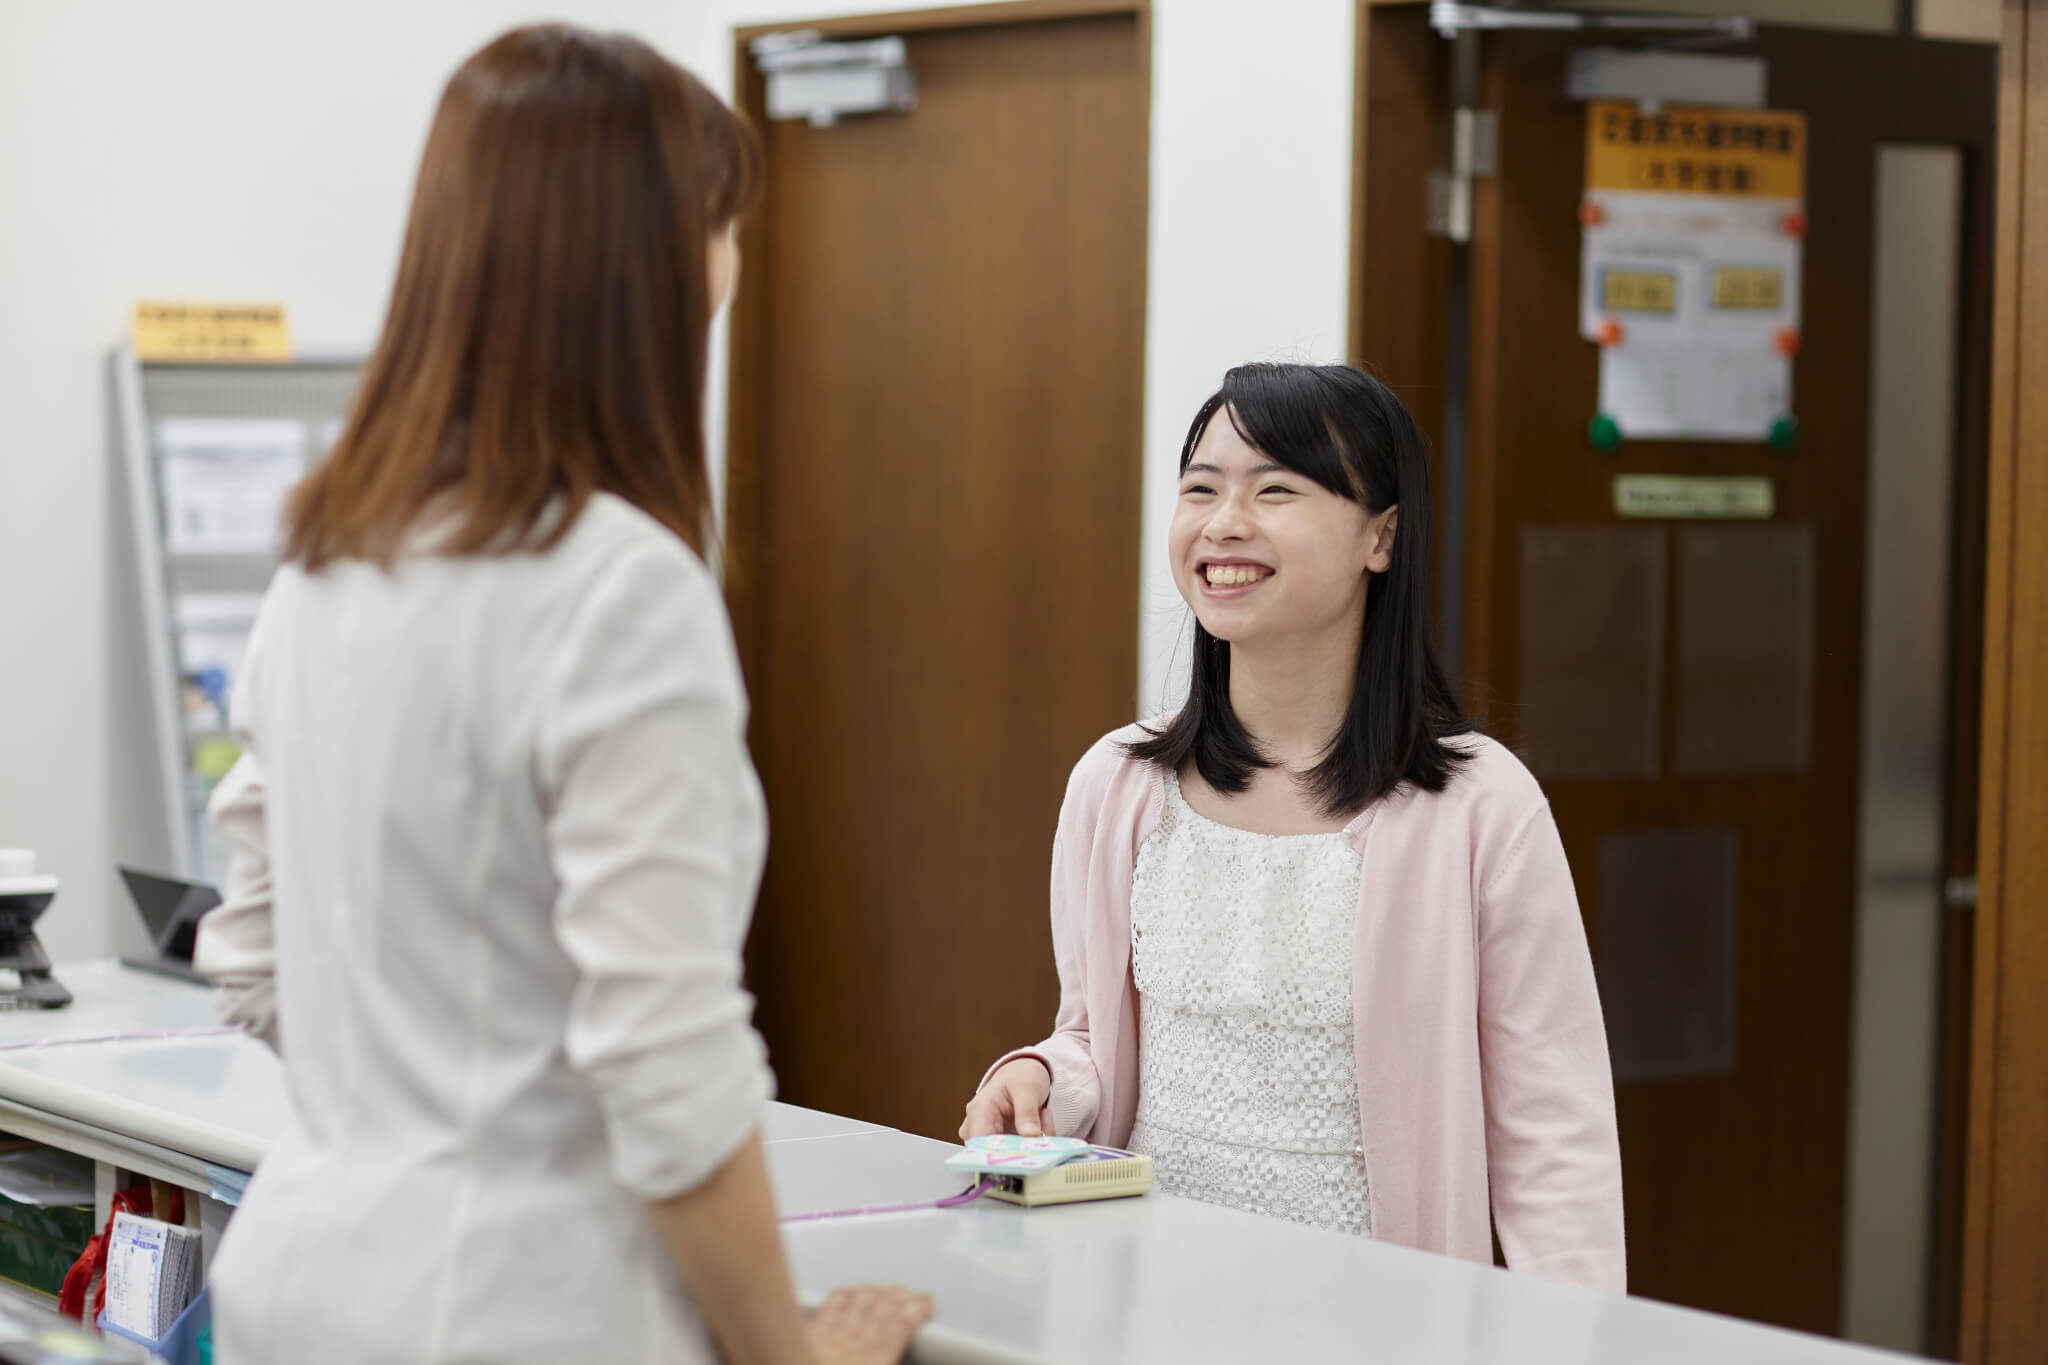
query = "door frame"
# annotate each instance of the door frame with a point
(747, 477)
(2005, 1229)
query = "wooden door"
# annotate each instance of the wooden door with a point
(934, 539)
(1727, 861)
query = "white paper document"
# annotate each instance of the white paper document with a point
(151, 1269)
(1678, 267)
(1695, 302)
(1694, 392)
(225, 483)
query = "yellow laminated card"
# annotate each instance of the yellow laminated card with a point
(212, 333)
(1749, 287)
(1753, 152)
(1639, 291)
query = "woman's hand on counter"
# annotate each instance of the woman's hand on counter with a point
(1014, 1100)
(867, 1325)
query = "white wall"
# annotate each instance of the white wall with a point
(248, 149)
(1251, 226)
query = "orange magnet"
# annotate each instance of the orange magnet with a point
(1591, 214)
(1787, 341)
(1793, 223)
(1610, 332)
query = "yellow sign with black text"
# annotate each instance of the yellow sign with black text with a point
(1639, 291)
(1749, 287)
(212, 333)
(1759, 153)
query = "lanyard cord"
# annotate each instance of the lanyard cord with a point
(955, 1201)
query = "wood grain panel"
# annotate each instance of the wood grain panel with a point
(934, 534)
(2005, 1251)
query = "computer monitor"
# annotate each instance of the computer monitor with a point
(172, 910)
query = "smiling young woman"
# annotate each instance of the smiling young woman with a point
(1319, 951)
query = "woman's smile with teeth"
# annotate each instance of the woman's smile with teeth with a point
(1232, 575)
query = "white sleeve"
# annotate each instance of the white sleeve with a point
(236, 945)
(642, 758)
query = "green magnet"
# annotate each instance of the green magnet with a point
(1605, 432)
(1785, 432)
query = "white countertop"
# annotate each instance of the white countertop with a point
(110, 998)
(1161, 1279)
(1156, 1279)
(218, 1097)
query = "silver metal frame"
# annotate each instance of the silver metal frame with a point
(145, 516)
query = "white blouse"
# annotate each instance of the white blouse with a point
(1242, 946)
(497, 841)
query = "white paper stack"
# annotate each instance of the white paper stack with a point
(152, 1268)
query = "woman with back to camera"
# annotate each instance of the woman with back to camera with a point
(1318, 948)
(496, 833)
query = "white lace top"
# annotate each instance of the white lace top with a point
(1242, 948)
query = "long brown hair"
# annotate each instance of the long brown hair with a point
(547, 334)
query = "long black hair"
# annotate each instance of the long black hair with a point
(1348, 432)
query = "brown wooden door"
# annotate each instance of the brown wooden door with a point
(2005, 1289)
(1728, 861)
(934, 542)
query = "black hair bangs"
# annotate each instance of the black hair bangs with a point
(1278, 411)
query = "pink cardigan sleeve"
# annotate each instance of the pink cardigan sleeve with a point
(1552, 1152)
(1076, 1090)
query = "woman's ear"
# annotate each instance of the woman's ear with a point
(1379, 557)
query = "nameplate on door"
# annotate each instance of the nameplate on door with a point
(1678, 498)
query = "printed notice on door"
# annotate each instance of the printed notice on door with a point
(1694, 226)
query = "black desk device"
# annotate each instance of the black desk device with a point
(23, 898)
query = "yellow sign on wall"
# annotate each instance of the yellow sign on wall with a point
(1753, 152)
(213, 333)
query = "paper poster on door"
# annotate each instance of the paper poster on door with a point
(1693, 224)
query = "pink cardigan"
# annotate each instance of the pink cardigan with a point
(1481, 1053)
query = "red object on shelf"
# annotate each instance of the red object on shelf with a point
(1793, 224)
(1610, 333)
(1591, 214)
(1787, 341)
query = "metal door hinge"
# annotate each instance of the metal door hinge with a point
(1475, 135)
